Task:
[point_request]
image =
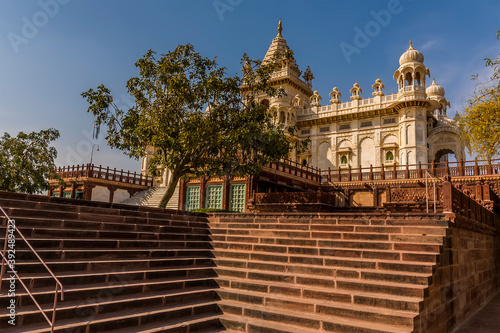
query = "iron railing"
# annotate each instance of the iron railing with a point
(10, 229)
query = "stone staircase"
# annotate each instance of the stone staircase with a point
(152, 196)
(124, 268)
(364, 272)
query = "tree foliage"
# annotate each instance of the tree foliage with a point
(194, 116)
(479, 121)
(27, 161)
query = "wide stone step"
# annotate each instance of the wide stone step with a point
(417, 266)
(310, 238)
(69, 233)
(245, 317)
(158, 227)
(132, 320)
(328, 308)
(317, 229)
(307, 280)
(68, 212)
(411, 304)
(51, 242)
(198, 256)
(329, 271)
(82, 278)
(118, 286)
(111, 303)
(208, 323)
(60, 267)
(321, 247)
(414, 252)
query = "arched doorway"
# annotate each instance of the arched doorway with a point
(444, 155)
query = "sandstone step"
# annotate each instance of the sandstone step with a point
(27, 267)
(263, 319)
(397, 302)
(184, 256)
(116, 287)
(129, 320)
(263, 229)
(44, 243)
(61, 214)
(82, 278)
(329, 271)
(322, 248)
(415, 252)
(110, 303)
(281, 240)
(158, 225)
(208, 323)
(69, 233)
(328, 308)
(392, 288)
(418, 266)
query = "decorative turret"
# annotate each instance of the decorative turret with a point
(436, 92)
(411, 73)
(378, 88)
(315, 99)
(356, 92)
(335, 95)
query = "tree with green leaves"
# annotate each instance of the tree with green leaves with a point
(27, 161)
(199, 120)
(479, 121)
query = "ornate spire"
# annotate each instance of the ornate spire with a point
(280, 28)
(411, 45)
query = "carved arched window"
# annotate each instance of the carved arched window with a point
(389, 156)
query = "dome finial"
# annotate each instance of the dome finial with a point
(280, 28)
(411, 44)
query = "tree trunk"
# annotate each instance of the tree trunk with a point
(170, 189)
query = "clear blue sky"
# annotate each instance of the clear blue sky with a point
(50, 54)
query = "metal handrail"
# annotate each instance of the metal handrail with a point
(4, 259)
(433, 178)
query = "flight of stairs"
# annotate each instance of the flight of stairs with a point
(124, 268)
(364, 272)
(152, 196)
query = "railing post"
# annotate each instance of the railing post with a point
(329, 175)
(433, 168)
(349, 177)
(447, 195)
(371, 172)
(407, 172)
(419, 172)
(489, 168)
(395, 173)
(339, 176)
(360, 176)
(461, 170)
(447, 168)
(476, 167)
(382, 172)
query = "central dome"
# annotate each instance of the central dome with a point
(411, 55)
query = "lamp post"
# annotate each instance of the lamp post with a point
(92, 153)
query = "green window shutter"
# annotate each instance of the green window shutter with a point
(192, 197)
(214, 196)
(237, 198)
